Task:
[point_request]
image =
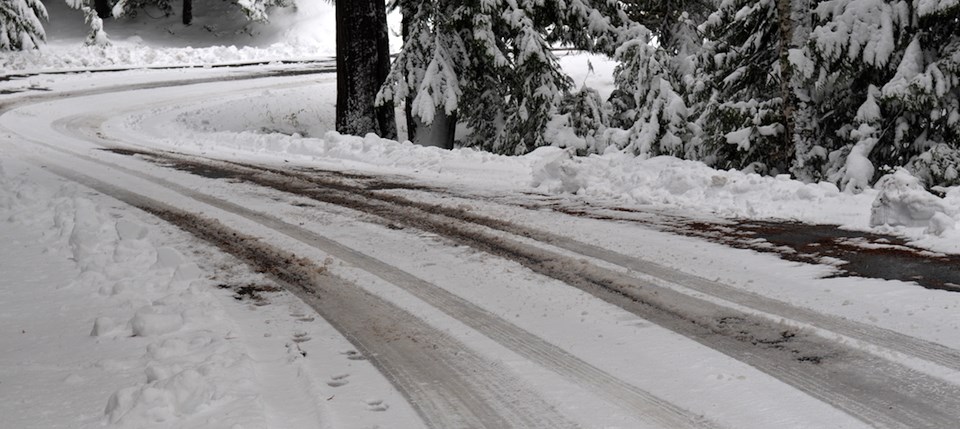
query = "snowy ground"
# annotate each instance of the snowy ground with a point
(113, 317)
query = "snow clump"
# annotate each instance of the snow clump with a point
(902, 201)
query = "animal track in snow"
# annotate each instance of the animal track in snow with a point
(339, 380)
(377, 405)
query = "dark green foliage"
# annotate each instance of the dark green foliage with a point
(743, 116)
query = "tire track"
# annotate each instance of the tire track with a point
(892, 340)
(449, 385)
(879, 392)
(521, 407)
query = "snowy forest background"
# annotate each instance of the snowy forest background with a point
(839, 90)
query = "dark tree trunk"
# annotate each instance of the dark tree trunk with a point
(187, 12)
(406, 11)
(785, 26)
(363, 62)
(439, 133)
(103, 8)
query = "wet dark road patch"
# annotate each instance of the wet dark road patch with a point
(853, 253)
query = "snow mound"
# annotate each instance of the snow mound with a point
(667, 181)
(554, 170)
(902, 201)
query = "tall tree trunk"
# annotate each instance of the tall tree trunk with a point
(407, 10)
(103, 8)
(363, 62)
(786, 154)
(187, 13)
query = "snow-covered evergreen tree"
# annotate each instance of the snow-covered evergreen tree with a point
(489, 63)
(743, 120)
(658, 119)
(910, 50)
(655, 98)
(666, 19)
(20, 26)
(97, 36)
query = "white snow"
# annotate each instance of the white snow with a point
(903, 201)
(110, 317)
(106, 321)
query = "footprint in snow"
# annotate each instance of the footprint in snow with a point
(300, 337)
(377, 405)
(339, 380)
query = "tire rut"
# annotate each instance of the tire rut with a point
(449, 385)
(640, 402)
(889, 395)
(877, 391)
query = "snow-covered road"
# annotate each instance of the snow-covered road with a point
(479, 306)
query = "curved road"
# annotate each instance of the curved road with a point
(456, 355)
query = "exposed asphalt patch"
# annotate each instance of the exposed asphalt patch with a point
(852, 253)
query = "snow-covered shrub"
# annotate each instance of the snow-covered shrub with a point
(97, 36)
(583, 115)
(256, 10)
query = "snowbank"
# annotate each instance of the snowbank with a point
(292, 125)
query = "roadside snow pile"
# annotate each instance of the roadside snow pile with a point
(668, 181)
(274, 123)
(134, 55)
(139, 320)
(281, 111)
(902, 201)
(898, 202)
